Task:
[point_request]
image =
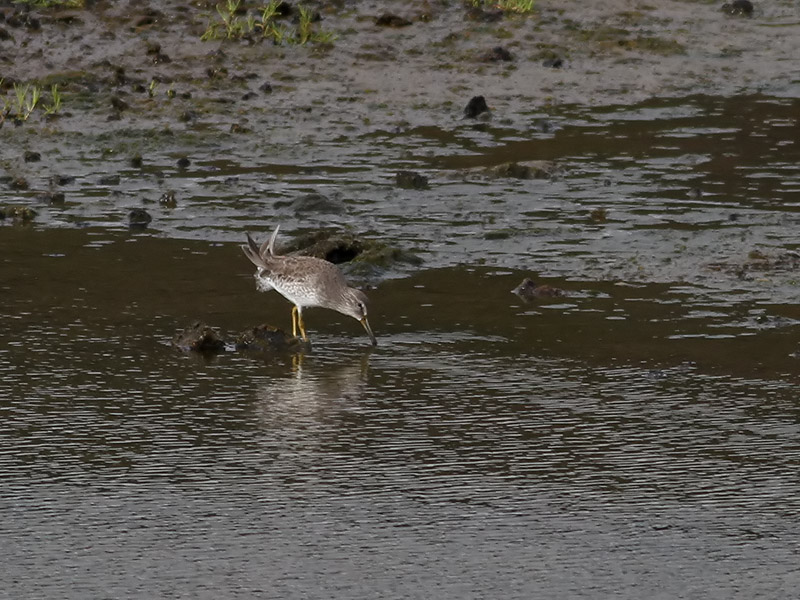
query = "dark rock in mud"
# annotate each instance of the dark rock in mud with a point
(187, 116)
(528, 290)
(18, 214)
(22, 18)
(19, 183)
(317, 203)
(496, 54)
(199, 337)
(168, 199)
(476, 106)
(136, 161)
(119, 104)
(738, 8)
(390, 20)
(62, 179)
(52, 198)
(183, 162)
(409, 180)
(555, 62)
(31, 156)
(265, 87)
(5, 36)
(139, 218)
(108, 180)
(267, 338)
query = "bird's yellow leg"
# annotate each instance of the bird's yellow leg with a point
(302, 326)
(294, 321)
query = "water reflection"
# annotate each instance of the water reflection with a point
(315, 391)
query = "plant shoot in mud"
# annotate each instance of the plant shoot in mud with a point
(518, 6)
(52, 109)
(27, 98)
(233, 27)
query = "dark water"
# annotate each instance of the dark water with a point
(637, 438)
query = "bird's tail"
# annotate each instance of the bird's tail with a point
(260, 256)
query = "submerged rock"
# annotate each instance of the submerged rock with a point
(528, 290)
(199, 337)
(267, 338)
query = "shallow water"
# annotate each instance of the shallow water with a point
(636, 438)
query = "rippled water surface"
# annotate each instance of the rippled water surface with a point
(637, 438)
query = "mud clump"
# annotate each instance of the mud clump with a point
(528, 290)
(759, 262)
(338, 248)
(268, 338)
(199, 337)
(738, 8)
(17, 214)
(531, 170)
(476, 107)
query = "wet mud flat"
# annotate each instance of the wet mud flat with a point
(634, 434)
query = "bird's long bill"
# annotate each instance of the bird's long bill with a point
(371, 335)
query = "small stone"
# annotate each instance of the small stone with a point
(410, 180)
(31, 156)
(183, 162)
(137, 161)
(553, 63)
(265, 87)
(108, 180)
(119, 104)
(139, 218)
